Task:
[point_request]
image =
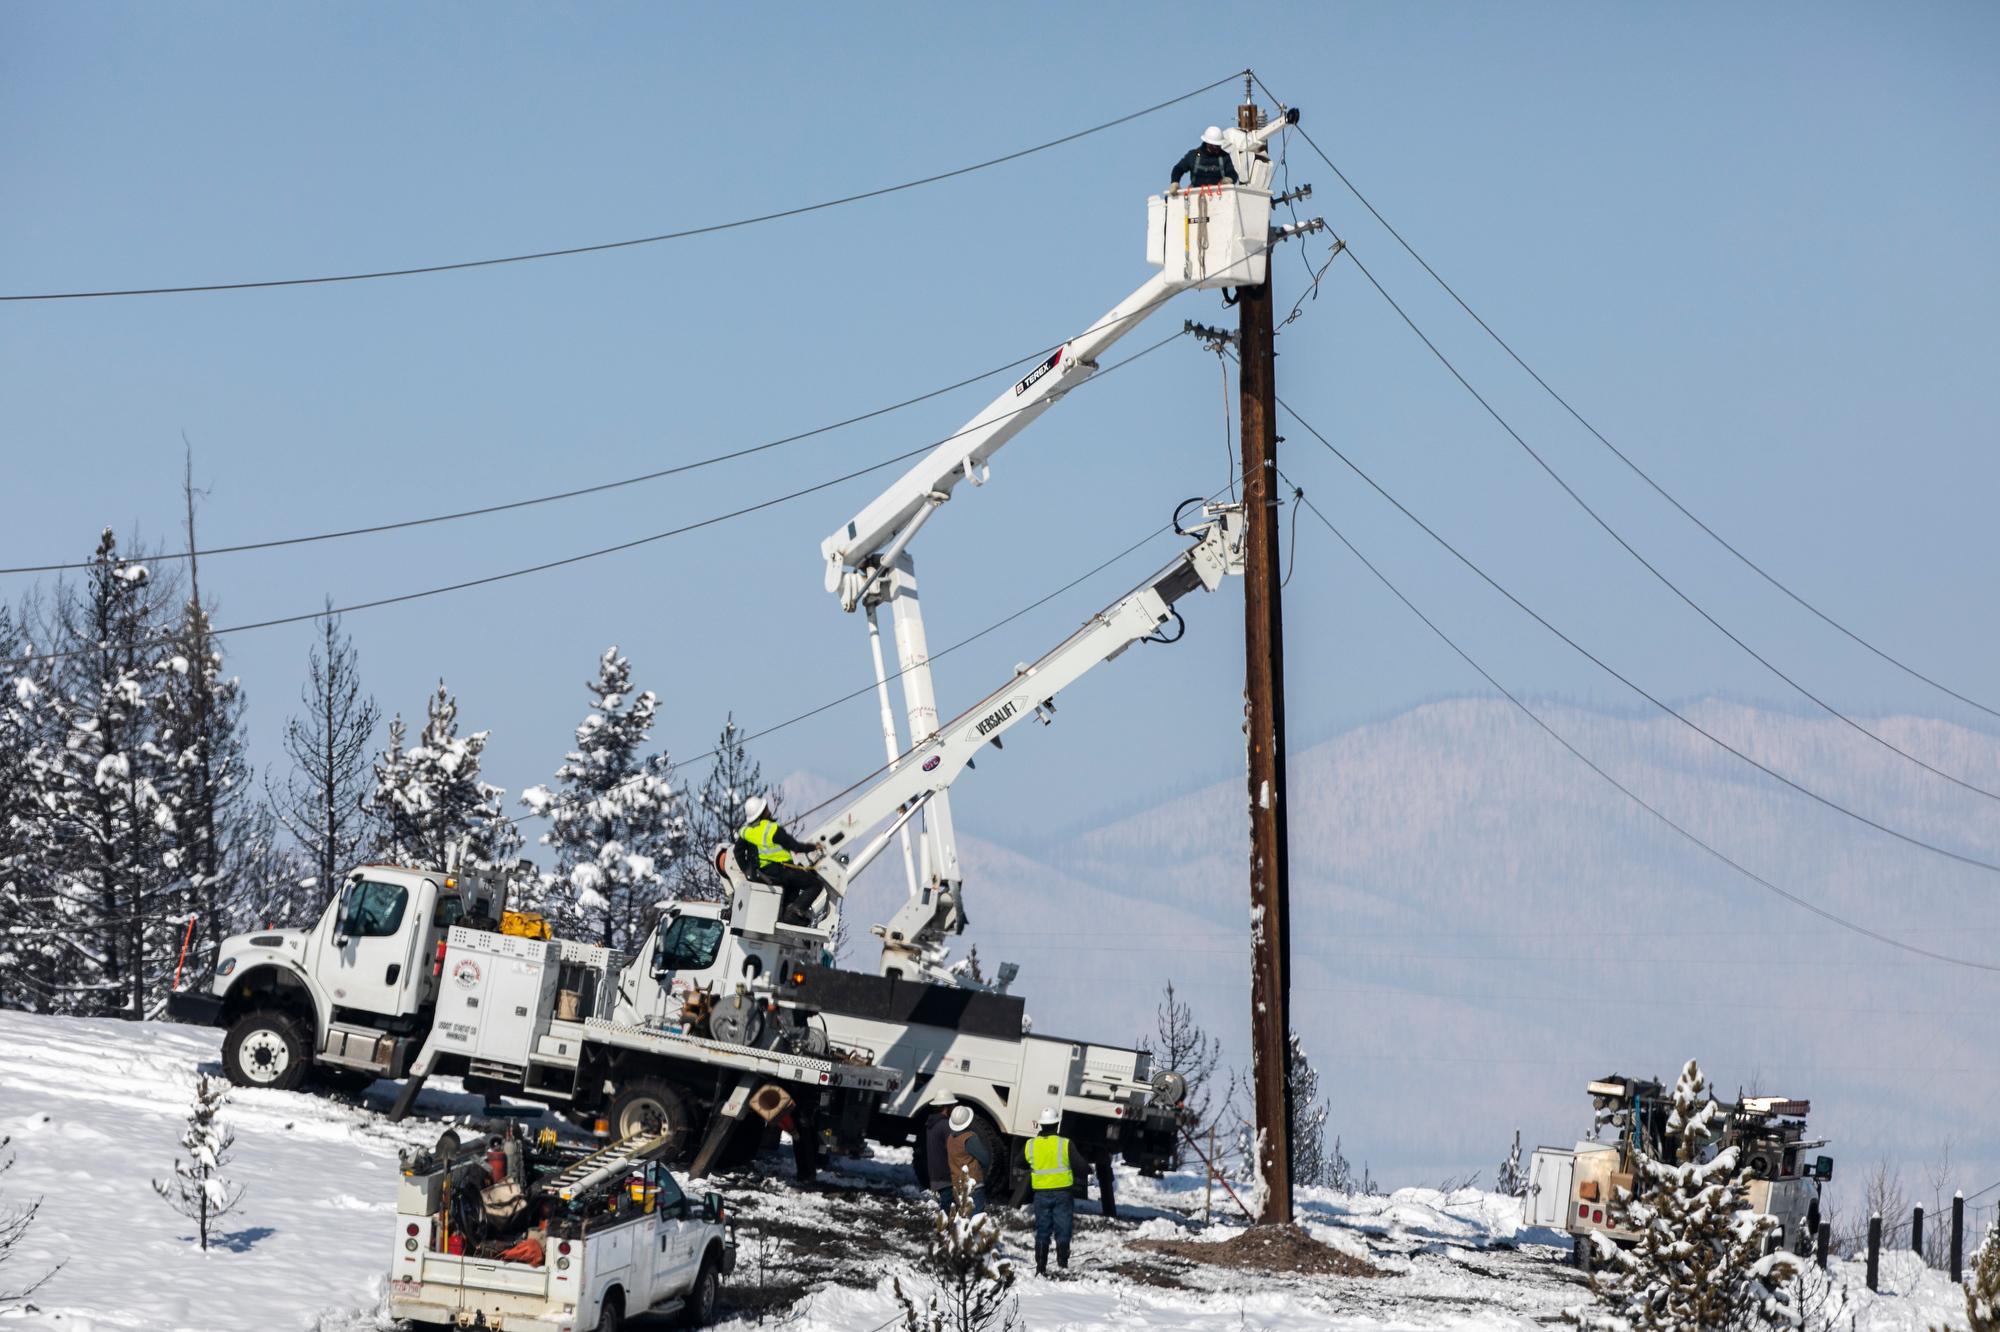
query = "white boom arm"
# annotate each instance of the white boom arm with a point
(913, 943)
(1211, 237)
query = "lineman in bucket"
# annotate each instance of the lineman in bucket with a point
(1049, 1174)
(770, 850)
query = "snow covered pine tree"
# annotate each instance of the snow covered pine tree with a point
(971, 1286)
(1309, 1161)
(117, 904)
(198, 1191)
(1510, 1180)
(1700, 1262)
(1982, 1286)
(435, 811)
(615, 825)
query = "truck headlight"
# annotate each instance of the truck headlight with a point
(227, 965)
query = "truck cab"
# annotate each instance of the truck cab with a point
(354, 992)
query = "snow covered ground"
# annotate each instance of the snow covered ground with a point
(95, 1110)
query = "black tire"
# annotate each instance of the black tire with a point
(265, 1049)
(611, 1315)
(641, 1103)
(703, 1296)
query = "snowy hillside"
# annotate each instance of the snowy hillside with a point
(95, 1108)
(1481, 925)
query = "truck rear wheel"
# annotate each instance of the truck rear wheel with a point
(651, 1105)
(611, 1315)
(265, 1049)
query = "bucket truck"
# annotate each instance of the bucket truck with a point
(1208, 237)
(940, 1040)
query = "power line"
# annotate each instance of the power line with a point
(868, 689)
(1647, 564)
(546, 565)
(1620, 454)
(1625, 680)
(1629, 793)
(683, 234)
(556, 496)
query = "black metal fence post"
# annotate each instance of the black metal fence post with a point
(1825, 1243)
(1875, 1252)
(1917, 1230)
(1958, 1237)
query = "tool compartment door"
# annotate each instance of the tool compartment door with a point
(1551, 1172)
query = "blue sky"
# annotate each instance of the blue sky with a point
(1755, 247)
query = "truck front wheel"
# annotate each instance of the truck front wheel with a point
(650, 1105)
(703, 1296)
(264, 1049)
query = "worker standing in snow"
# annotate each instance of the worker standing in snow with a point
(937, 1150)
(1051, 1178)
(1206, 163)
(969, 1157)
(769, 848)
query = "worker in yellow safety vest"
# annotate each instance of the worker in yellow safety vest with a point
(765, 850)
(1049, 1173)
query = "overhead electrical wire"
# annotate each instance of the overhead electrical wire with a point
(1648, 565)
(546, 565)
(531, 501)
(1629, 793)
(682, 234)
(1627, 681)
(1619, 453)
(941, 653)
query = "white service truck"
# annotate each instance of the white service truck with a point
(525, 1235)
(725, 999)
(410, 972)
(1574, 1189)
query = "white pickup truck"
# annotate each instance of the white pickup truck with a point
(498, 1233)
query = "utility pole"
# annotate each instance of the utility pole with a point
(1264, 734)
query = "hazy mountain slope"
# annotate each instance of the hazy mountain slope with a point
(1481, 924)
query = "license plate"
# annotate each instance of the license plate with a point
(405, 1286)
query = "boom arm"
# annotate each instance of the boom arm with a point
(913, 944)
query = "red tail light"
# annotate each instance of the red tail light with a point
(437, 963)
(1597, 1214)
(563, 1247)
(410, 1229)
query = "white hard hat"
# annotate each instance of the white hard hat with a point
(1212, 136)
(961, 1119)
(944, 1098)
(754, 807)
(1049, 1117)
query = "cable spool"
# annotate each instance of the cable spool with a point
(1170, 1087)
(735, 1020)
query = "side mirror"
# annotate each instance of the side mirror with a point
(1822, 1169)
(713, 1202)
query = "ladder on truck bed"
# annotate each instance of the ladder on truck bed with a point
(604, 1164)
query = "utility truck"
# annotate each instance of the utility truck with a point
(411, 971)
(529, 1235)
(1574, 1189)
(733, 1008)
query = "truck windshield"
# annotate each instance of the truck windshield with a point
(689, 944)
(374, 910)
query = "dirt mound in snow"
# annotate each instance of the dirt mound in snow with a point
(1268, 1249)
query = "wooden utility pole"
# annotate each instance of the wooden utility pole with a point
(1264, 732)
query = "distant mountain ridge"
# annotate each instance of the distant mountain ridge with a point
(1481, 924)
